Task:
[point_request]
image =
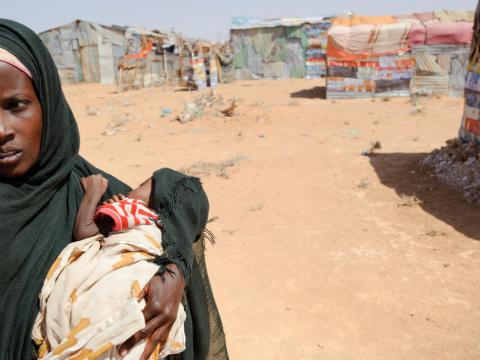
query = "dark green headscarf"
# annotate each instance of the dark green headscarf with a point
(38, 210)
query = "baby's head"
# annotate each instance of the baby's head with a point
(142, 192)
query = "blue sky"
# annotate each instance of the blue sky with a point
(207, 19)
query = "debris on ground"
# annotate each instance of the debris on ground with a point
(198, 107)
(91, 111)
(416, 110)
(219, 169)
(258, 206)
(375, 145)
(458, 165)
(409, 201)
(166, 112)
(422, 93)
(415, 99)
(116, 124)
(257, 104)
(363, 184)
(230, 110)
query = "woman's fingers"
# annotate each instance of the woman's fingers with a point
(127, 346)
(151, 328)
(158, 338)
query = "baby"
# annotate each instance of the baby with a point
(92, 220)
(90, 302)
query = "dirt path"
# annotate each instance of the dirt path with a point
(321, 253)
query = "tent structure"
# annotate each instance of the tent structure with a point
(155, 58)
(470, 125)
(398, 55)
(368, 56)
(86, 51)
(279, 48)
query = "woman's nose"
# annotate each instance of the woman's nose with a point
(6, 132)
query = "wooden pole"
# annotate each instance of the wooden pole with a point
(219, 69)
(167, 78)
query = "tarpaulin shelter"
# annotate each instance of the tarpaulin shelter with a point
(398, 55)
(86, 51)
(470, 126)
(279, 48)
(441, 48)
(368, 56)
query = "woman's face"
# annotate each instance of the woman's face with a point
(20, 122)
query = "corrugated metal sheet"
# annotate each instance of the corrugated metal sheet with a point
(436, 84)
(428, 63)
(243, 23)
(440, 68)
(365, 95)
(85, 51)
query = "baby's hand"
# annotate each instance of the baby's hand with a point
(94, 185)
(115, 198)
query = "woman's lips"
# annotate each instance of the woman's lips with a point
(10, 157)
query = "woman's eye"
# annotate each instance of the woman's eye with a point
(17, 105)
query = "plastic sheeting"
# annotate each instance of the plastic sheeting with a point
(280, 52)
(449, 33)
(455, 16)
(365, 40)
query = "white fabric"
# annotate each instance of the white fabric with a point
(89, 302)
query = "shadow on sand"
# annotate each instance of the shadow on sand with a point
(318, 92)
(403, 173)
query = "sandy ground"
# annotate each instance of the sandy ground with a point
(321, 253)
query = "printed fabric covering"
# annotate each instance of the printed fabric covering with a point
(363, 41)
(470, 126)
(127, 213)
(89, 304)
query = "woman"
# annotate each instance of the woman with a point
(40, 192)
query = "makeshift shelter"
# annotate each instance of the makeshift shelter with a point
(279, 48)
(144, 62)
(441, 47)
(86, 51)
(470, 126)
(368, 56)
(398, 55)
(201, 65)
(155, 58)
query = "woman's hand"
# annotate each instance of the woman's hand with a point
(163, 298)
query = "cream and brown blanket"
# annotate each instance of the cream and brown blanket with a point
(89, 304)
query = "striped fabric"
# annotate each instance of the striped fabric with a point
(127, 213)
